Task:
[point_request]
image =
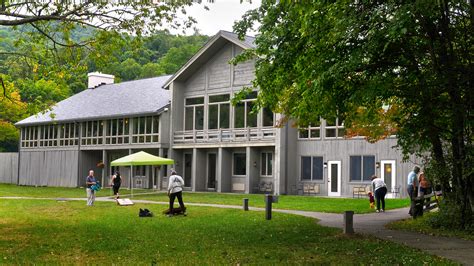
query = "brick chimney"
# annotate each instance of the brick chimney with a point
(96, 79)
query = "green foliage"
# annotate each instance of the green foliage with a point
(382, 67)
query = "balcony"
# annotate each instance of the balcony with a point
(262, 134)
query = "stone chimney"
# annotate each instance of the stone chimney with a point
(96, 79)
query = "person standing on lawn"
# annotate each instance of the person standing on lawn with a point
(90, 180)
(380, 190)
(412, 188)
(116, 183)
(175, 190)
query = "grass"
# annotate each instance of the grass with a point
(55, 232)
(8, 190)
(290, 202)
(422, 225)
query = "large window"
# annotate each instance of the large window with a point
(48, 135)
(243, 116)
(312, 168)
(266, 164)
(68, 134)
(334, 128)
(145, 129)
(29, 137)
(117, 131)
(362, 168)
(240, 164)
(219, 111)
(92, 132)
(194, 113)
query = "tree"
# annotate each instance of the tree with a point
(12, 109)
(403, 66)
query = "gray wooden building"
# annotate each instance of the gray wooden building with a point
(216, 146)
(94, 127)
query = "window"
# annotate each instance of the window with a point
(312, 132)
(267, 164)
(240, 164)
(145, 129)
(68, 135)
(362, 168)
(267, 117)
(334, 128)
(243, 116)
(117, 131)
(219, 111)
(194, 113)
(92, 132)
(312, 168)
(29, 136)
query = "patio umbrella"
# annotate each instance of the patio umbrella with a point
(140, 158)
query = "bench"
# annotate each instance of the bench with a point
(360, 191)
(310, 189)
(426, 203)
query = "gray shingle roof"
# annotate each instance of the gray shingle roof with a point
(248, 40)
(144, 96)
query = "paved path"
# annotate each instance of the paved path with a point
(455, 249)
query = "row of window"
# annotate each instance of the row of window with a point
(361, 168)
(240, 164)
(219, 113)
(333, 128)
(114, 131)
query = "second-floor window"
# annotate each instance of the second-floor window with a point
(243, 116)
(312, 132)
(194, 113)
(145, 129)
(219, 111)
(334, 128)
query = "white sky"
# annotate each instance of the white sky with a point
(221, 15)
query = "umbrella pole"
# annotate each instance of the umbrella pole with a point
(131, 181)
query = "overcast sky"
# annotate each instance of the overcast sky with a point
(221, 15)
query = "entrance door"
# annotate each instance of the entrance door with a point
(211, 171)
(334, 178)
(188, 163)
(388, 174)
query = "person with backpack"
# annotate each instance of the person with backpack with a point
(116, 183)
(175, 190)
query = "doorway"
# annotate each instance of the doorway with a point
(388, 175)
(188, 163)
(211, 171)
(334, 178)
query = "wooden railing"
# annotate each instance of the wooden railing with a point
(225, 135)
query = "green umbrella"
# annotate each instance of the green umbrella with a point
(140, 158)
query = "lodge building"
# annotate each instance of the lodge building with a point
(216, 146)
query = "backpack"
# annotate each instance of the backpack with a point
(145, 213)
(96, 187)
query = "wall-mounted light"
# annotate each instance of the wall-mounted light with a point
(377, 164)
(254, 164)
(166, 109)
(325, 165)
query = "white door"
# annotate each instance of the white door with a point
(388, 174)
(334, 178)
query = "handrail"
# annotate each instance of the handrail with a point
(225, 135)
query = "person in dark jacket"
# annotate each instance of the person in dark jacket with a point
(116, 183)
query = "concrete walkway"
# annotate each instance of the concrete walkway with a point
(373, 224)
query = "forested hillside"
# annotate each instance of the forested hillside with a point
(36, 72)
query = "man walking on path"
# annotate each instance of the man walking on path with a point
(175, 188)
(412, 188)
(90, 193)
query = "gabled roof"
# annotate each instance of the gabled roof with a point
(208, 50)
(130, 98)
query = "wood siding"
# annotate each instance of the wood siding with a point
(8, 167)
(49, 168)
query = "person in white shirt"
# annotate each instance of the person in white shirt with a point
(175, 190)
(380, 189)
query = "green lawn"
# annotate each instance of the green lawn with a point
(304, 203)
(49, 231)
(54, 192)
(422, 225)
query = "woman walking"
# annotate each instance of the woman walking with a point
(116, 183)
(380, 189)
